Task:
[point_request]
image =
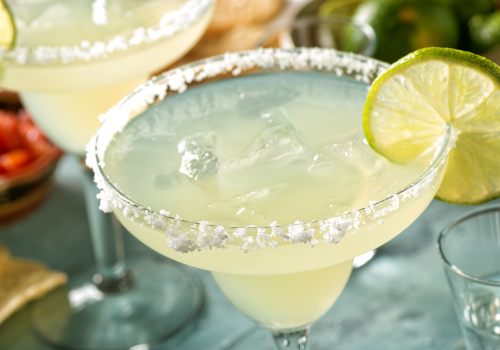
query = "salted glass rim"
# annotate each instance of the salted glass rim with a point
(437, 162)
(170, 23)
(444, 232)
(302, 22)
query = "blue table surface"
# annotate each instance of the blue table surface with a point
(400, 300)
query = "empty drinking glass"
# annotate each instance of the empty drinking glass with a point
(470, 250)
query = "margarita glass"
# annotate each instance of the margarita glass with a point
(71, 61)
(258, 136)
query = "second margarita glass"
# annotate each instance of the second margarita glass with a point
(70, 62)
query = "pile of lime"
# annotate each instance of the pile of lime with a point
(403, 26)
(409, 104)
(484, 32)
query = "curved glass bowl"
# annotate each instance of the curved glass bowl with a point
(332, 32)
(50, 33)
(93, 44)
(335, 240)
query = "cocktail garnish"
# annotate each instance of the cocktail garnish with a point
(410, 103)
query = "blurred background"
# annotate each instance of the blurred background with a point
(401, 26)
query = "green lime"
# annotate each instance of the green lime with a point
(7, 28)
(466, 9)
(408, 105)
(403, 26)
(484, 31)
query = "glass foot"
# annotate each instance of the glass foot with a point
(153, 307)
(459, 345)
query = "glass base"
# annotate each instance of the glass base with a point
(459, 345)
(160, 301)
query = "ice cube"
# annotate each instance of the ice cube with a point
(204, 139)
(278, 145)
(275, 117)
(247, 207)
(245, 213)
(318, 160)
(356, 152)
(199, 163)
(166, 179)
(253, 102)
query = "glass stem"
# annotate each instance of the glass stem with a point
(293, 340)
(107, 241)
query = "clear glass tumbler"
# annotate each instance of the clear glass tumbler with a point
(470, 251)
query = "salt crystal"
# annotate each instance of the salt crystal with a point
(372, 204)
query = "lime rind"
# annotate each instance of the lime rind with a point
(410, 102)
(7, 27)
(463, 58)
